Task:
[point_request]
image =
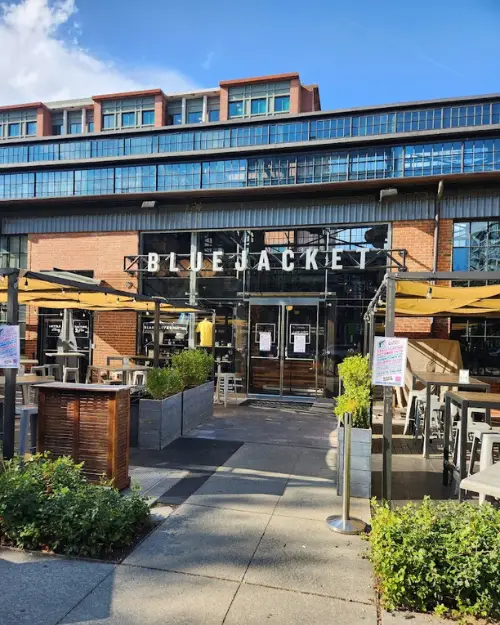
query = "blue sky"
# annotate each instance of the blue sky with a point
(363, 52)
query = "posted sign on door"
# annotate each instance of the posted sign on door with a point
(389, 361)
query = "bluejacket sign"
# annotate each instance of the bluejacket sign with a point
(310, 259)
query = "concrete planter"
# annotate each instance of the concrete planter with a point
(197, 405)
(160, 421)
(361, 462)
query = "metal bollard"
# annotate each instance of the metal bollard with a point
(343, 523)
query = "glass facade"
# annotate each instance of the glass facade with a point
(259, 99)
(480, 344)
(17, 123)
(341, 295)
(128, 113)
(272, 133)
(292, 169)
(476, 246)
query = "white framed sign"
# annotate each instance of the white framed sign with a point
(264, 341)
(389, 361)
(10, 351)
(299, 343)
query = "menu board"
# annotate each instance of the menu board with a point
(10, 353)
(299, 343)
(389, 361)
(81, 328)
(54, 327)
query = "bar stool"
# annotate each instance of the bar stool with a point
(486, 440)
(473, 428)
(411, 408)
(40, 370)
(54, 370)
(71, 372)
(139, 378)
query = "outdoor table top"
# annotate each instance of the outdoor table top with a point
(447, 379)
(63, 354)
(480, 400)
(118, 368)
(29, 379)
(75, 386)
(28, 361)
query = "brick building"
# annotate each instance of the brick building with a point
(250, 200)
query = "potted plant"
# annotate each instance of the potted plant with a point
(355, 373)
(195, 367)
(160, 418)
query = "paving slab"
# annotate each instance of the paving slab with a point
(257, 604)
(254, 493)
(317, 500)
(307, 556)
(38, 589)
(154, 482)
(317, 463)
(135, 596)
(204, 541)
(258, 458)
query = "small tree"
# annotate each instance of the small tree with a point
(162, 383)
(355, 373)
(194, 366)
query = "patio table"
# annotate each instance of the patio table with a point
(464, 400)
(438, 380)
(125, 370)
(26, 381)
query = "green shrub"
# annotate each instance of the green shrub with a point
(162, 383)
(48, 504)
(355, 373)
(438, 556)
(194, 366)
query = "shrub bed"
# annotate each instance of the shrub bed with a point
(48, 505)
(442, 557)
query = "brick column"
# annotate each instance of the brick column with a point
(97, 116)
(224, 104)
(295, 95)
(160, 110)
(43, 122)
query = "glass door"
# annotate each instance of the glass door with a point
(285, 343)
(265, 349)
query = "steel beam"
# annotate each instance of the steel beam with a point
(387, 425)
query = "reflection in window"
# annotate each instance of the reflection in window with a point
(236, 109)
(476, 246)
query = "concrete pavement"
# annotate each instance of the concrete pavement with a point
(249, 546)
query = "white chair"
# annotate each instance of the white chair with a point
(40, 370)
(486, 440)
(437, 408)
(413, 397)
(71, 372)
(473, 428)
(139, 378)
(54, 370)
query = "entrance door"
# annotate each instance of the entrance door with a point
(284, 347)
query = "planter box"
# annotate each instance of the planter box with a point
(197, 405)
(361, 462)
(160, 421)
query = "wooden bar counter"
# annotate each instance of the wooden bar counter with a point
(90, 423)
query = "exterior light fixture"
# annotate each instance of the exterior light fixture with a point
(149, 204)
(385, 193)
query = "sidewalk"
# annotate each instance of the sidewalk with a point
(249, 546)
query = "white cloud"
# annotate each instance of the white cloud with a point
(41, 59)
(208, 60)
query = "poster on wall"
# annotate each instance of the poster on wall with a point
(389, 361)
(81, 328)
(299, 343)
(264, 341)
(10, 352)
(300, 328)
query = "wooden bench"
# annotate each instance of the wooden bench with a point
(485, 482)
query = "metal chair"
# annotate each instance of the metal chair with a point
(40, 370)
(54, 370)
(71, 372)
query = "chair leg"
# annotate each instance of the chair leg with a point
(455, 446)
(473, 453)
(409, 408)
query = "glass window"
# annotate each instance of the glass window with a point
(148, 118)
(194, 117)
(282, 104)
(175, 119)
(213, 116)
(57, 129)
(90, 126)
(31, 128)
(236, 109)
(14, 130)
(108, 121)
(75, 128)
(258, 106)
(128, 120)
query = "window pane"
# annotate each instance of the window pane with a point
(236, 108)
(14, 130)
(90, 127)
(75, 128)
(461, 234)
(175, 119)
(31, 128)
(479, 232)
(213, 116)
(128, 119)
(148, 118)
(194, 117)
(259, 106)
(108, 122)
(282, 104)
(461, 259)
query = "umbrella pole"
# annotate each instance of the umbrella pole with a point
(156, 336)
(9, 416)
